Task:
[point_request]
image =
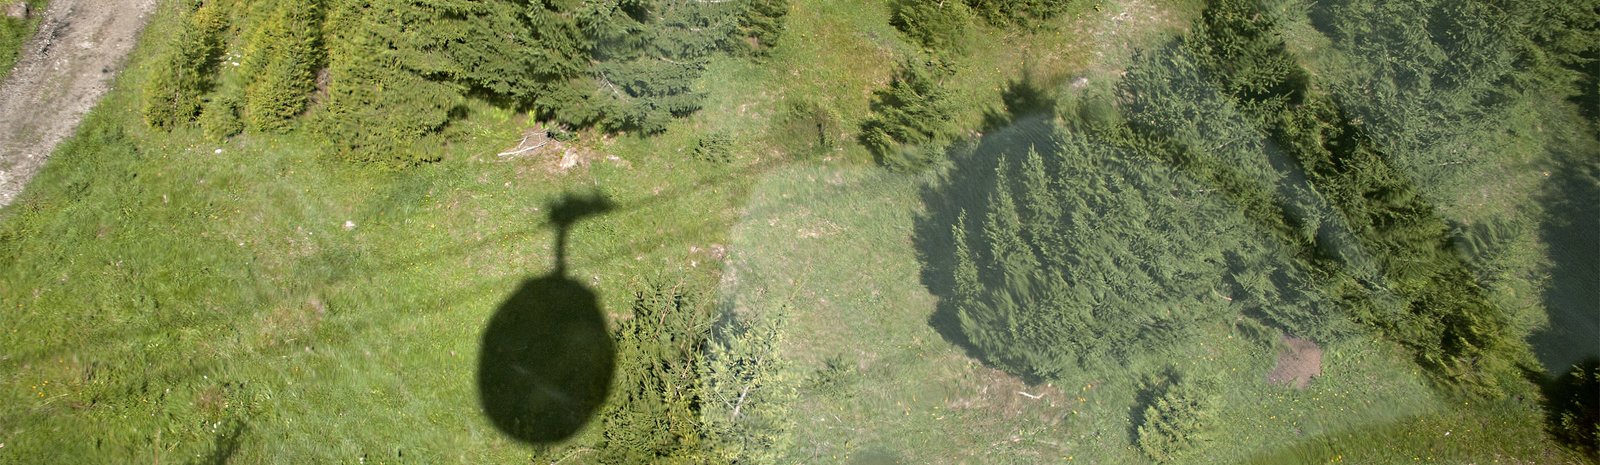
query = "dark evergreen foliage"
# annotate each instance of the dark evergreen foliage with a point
(938, 25)
(653, 416)
(1287, 208)
(911, 119)
(1177, 417)
(185, 70)
(1020, 13)
(1573, 405)
(761, 23)
(1414, 287)
(1432, 83)
(694, 390)
(398, 71)
(1088, 252)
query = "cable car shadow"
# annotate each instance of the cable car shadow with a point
(547, 359)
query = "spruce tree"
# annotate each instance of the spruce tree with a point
(653, 415)
(185, 69)
(914, 112)
(1143, 250)
(938, 25)
(289, 50)
(749, 392)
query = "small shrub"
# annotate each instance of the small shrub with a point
(220, 117)
(937, 25)
(184, 73)
(1177, 420)
(807, 128)
(833, 377)
(911, 119)
(561, 134)
(714, 148)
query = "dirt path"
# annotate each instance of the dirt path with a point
(60, 74)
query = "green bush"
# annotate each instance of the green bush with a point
(1020, 13)
(378, 114)
(761, 24)
(808, 128)
(691, 391)
(1083, 253)
(648, 55)
(220, 117)
(911, 119)
(714, 148)
(1385, 254)
(654, 417)
(936, 24)
(400, 71)
(183, 73)
(1178, 419)
(290, 50)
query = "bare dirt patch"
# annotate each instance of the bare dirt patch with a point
(1298, 362)
(60, 74)
(539, 153)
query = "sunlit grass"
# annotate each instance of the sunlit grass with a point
(170, 299)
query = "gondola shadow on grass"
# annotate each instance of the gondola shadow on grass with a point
(547, 360)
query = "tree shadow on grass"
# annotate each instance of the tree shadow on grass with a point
(1572, 404)
(1568, 348)
(226, 445)
(966, 189)
(547, 359)
(1572, 233)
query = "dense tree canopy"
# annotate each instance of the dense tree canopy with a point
(1089, 251)
(1218, 180)
(693, 390)
(398, 71)
(1435, 82)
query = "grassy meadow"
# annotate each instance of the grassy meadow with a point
(171, 298)
(14, 32)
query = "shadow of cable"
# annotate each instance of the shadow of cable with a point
(547, 359)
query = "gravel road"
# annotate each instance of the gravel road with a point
(60, 74)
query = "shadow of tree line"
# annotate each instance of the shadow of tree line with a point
(1023, 122)
(1570, 388)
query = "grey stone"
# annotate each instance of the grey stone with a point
(17, 10)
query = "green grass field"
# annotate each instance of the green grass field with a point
(15, 32)
(168, 298)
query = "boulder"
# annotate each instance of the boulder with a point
(18, 10)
